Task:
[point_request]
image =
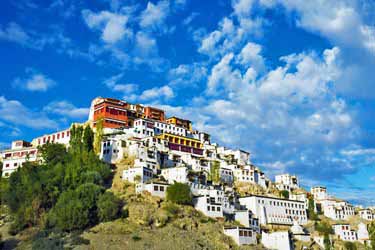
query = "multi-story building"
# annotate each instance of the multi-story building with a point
(142, 173)
(180, 123)
(362, 234)
(182, 144)
(115, 113)
(319, 193)
(337, 210)
(344, 232)
(62, 137)
(241, 235)
(270, 210)
(14, 158)
(286, 182)
(366, 214)
(210, 204)
(226, 175)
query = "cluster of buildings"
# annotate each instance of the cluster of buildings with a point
(166, 150)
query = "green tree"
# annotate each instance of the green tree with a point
(70, 213)
(88, 194)
(98, 138)
(326, 242)
(214, 172)
(109, 206)
(88, 139)
(310, 210)
(179, 193)
(284, 194)
(53, 153)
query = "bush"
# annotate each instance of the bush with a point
(108, 206)
(324, 228)
(350, 245)
(70, 213)
(284, 194)
(171, 208)
(179, 193)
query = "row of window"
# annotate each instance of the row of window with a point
(159, 188)
(246, 233)
(281, 203)
(213, 208)
(52, 138)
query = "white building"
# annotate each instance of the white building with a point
(337, 210)
(154, 188)
(62, 137)
(210, 206)
(247, 219)
(366, 214)
(277, 241)
(286, 182)
(362, 233)
(299, 233)
(319, 193)
(270, 210)
(132, 174)
(241, 235)
(20, 152)
(176, 174)
(300, 197)
(226, 175)
(344, 232)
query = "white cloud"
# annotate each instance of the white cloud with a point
(34, 81)
(113, 83)
(251, 56)
(185, 75)
(154, 16)
(66, 109)
(164, 92)
(16, 113)
(14, 33)
(112, 25)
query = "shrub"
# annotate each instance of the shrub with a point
(171, 208)
(108, 206)
(284, 194)
(350, 245)
(70, 213)
(179, 193)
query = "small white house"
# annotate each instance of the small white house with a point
(344, 232)
(154, 188)
(338, 210)
(286, 182)
(176, 174)
(247, 219)
(241, 235)
(362, 233)
(208, 205)
(366, 214)
(131, 174)
(277, 241)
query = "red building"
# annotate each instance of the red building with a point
(116, 113)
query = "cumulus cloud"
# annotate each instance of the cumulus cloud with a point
(34, 81)
(66, 109)
(16, 113)
(114, 84)
(185, 75)
(164, 92)
(15, 33)
(111, 25)
(154, 15)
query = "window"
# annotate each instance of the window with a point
(241, 233)
(208, 208)
(161, 188)
(156, 188)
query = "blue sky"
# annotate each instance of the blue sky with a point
(290, 81)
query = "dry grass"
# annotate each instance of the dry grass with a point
(118, 185)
